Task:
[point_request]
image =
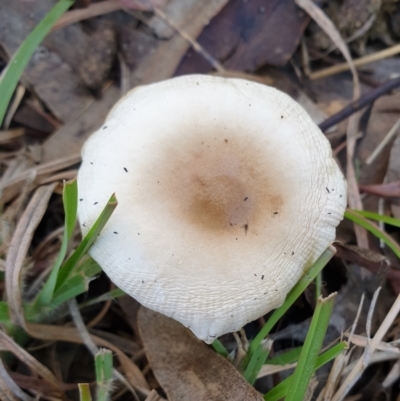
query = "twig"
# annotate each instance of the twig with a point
(336, 69)
(7, 385)
(367, 351)
(360, 103)
(389, 136)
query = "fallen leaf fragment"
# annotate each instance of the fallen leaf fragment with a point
(243, 36)
(187, 368)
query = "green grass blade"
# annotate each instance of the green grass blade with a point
(104, 373)
(378, 217)
(18, 62)
(357, 218)
(70, 200)
(291, 297)
(318, 285)
(4, 313)
(113, 294)
(89, 267)
(286, 357)
(84, 392)
(81, 250)
(311, 348)
(74, 286)
(280, 391)
(257, 361)
(219, 348)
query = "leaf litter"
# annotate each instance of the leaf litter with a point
(100, 48)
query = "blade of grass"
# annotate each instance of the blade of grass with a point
(219, 348)
(4, 313)
(292, 296)
(378, 217)
(113, 294)
(257, 361)
(311, 348)
(318, 285)
(280, 390)
(357, 218)
(74, 286)
(89, 267)
(70, 201)
(290, 299)
(104, 374)
(18, 62)
(84, 392)
(87, 242)
(285, 358)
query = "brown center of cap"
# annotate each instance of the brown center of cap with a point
(219, 183)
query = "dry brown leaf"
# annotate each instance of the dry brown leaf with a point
(68, 140)
(243, 36)
(18, 249)
(187, 368)
(162, 63)
(101, 8)
(50, 71)
(157, 65)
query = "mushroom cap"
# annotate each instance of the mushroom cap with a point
(227, 192)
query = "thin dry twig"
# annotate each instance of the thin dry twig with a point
(392, 376)
(9, 135)
(9, 390)
(354, 325)
(340, 362)
(368, 324)
(359, 367)
(370, 58)
(11, 187)
(99, 317)
(329, 28)
(388, 137)
(19, 247)
(360, 103)
(153, 396)
(12, 108)
(33, 364)
(362, 341)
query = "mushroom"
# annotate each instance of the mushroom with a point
(228, 193)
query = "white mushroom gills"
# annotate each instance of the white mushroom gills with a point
(227, 192)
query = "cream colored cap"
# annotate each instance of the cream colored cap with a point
(227, 192)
